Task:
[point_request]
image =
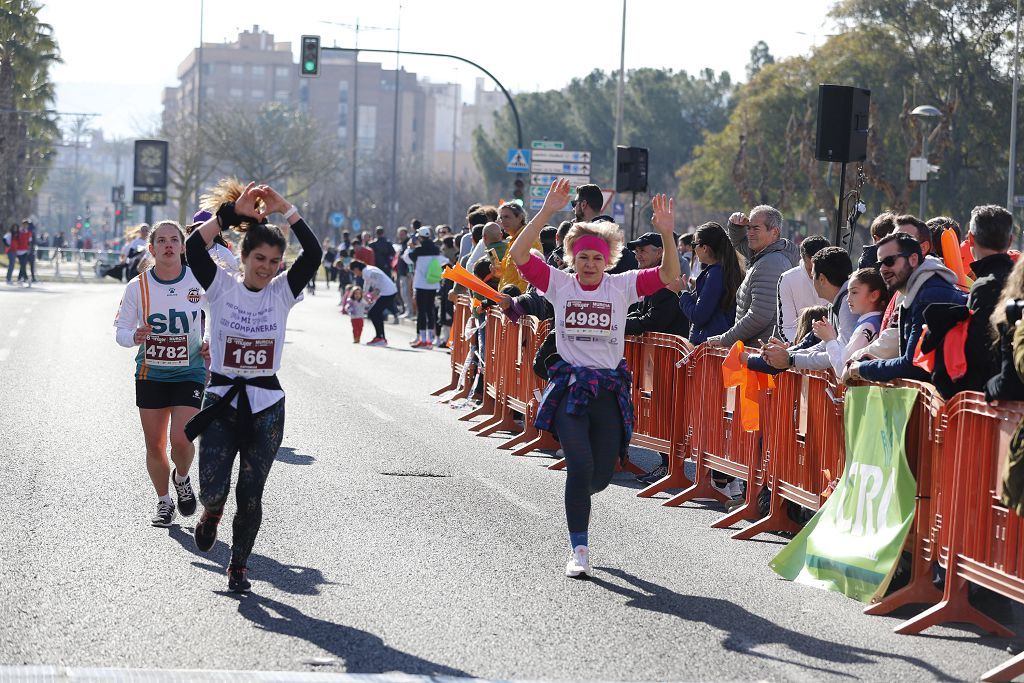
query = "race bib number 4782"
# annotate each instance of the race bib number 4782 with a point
(588, 318)
(167, 350)
(249, 357)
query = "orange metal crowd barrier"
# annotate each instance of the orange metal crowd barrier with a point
(460, 349)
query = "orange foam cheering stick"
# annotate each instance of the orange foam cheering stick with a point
(951, 257)
(472, 283)
(736, 374)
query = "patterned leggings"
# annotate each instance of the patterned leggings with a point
(218, 446)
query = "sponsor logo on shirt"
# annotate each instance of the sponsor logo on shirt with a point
(193, 295)
(170, 291)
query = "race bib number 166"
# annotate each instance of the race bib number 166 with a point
(249, 357)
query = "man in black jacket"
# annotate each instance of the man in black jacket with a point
(991, 230)
(586, 208)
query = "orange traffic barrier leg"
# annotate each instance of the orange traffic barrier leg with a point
(496, 417)
(701, 488)
(451, 385)
(529, 433)
(544, 441)
(953, 608)
(746, 512)
(1007, 671)
(486, 408)
(920, 590)
(458, 395)
(506, 424)
(560, 465)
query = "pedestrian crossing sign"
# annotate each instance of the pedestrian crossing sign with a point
(518, 161)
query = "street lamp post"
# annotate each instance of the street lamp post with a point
(923, 113)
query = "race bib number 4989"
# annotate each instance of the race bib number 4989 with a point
(588, 318)
(249, 357)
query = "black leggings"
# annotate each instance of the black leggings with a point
(426, 314)
(378, 312)
(218, 445)
(592, 444)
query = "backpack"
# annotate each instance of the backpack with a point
(433, 275)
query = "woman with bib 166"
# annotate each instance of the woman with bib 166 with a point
(160, 313)
(587, 399)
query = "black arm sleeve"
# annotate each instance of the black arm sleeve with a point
(199, 260)
(305, 267)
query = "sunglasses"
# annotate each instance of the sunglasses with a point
(573, 202)
(698, 244)
(889, 261)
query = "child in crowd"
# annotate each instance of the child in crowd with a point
(868, 298)
(356, 308)
(804, 324)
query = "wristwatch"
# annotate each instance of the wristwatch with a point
(792, 360)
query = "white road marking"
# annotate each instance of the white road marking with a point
(380, 414)
(513, 498)
(3, 354)
(308, 371)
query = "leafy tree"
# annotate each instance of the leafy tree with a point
(760, 56)
(27, 128)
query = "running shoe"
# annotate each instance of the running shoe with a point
(186, 497)
(579, 563)
(377, 341)
(164, 514)
(205, 534)
(654, 475)
(237, 583)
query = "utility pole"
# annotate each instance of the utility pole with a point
(1012, 171)
(393, 203)
(619, 93)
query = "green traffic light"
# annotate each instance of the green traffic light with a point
(309, 66)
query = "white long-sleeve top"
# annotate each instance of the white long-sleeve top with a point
(866, 332)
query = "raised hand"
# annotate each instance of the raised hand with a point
(274, 201)
(558, 196)
(824, 330)
(738, 218)
(248, 203)
(663, 218)
(142, 332)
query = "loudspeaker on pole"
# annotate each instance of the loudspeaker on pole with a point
(842, 134)
(630, 169)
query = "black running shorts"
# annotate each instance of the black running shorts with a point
(154, 395)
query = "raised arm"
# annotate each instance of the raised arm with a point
(557, 197)
(305, 267)
(227, 216)
(663, 219)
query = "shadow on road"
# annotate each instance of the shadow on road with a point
(747, 631)
(288, 456)
(289, 578)
(361, 651)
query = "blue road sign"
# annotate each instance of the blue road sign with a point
(357, 224)
(518, 161)
(337, 219)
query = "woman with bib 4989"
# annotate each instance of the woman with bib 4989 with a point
(243, 413)
(587, 399)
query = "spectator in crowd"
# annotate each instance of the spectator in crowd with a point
(710, 305)
(922, 281)
(548, 240)
(1007, 385)
(427, 261)
(883, 224)
(831, 268)
(796, 290)
(15, 243)
(512, 219)
(689, 264)
(938, 225)
(867, 298)
(404, 297)
(991, 229)
(448, 247)
(466, 241)
(29, 227)
(886, 344)
(660, 311)
(770, 255)
(379, 291)
(330, 256)
(557, 256)
(491, 244)
(346, 241)
(912, 225)
(475, 235)
(586, 208)
(383, 251)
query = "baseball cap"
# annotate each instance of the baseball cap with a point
(424, 231)
(201, 216)
(648, 238)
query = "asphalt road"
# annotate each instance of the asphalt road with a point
(393, 540)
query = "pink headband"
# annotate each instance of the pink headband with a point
(592, 242)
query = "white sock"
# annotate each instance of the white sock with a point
(166, 499)
(177, 479)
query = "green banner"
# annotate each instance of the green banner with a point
(851, 546)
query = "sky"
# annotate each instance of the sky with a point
(120, 54)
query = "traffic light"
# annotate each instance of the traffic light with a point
(88, 222)
(518, 192)
(309, 56)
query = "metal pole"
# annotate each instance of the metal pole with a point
(355, 128)
(839, 206)
(924, 183)
(504, 91)
(619, 92)
(1012, 171)
(199, 110)
(393, 204)
(455, 129)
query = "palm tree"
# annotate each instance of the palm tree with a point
(28, 125)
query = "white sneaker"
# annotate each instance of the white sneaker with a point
(579, 563)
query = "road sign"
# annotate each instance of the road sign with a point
(547, 144)
(536, 203)
(151, 164)
(518, 161)
(151, 197)
(357, 224)
(337, 219)
(561, 155)
(539, 190)
(556, 167)
(1018, 200)
(117, 194)
(619, 212)
(547, 179)
(607, 194)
